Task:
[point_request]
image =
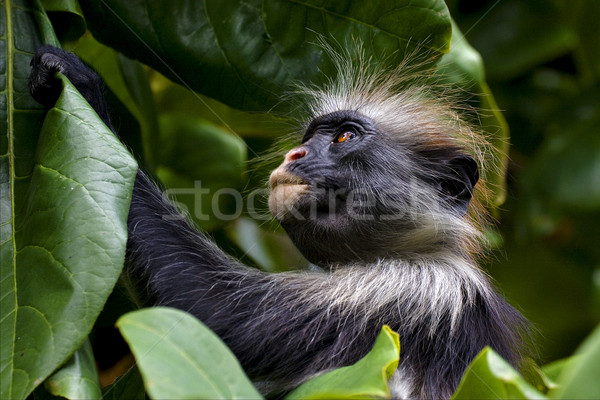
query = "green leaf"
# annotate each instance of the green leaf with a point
(20, 121)
(46, 31)
(535, 376)
(247, 54)
(128, 80)
(367, 378)
(579, 378)
(78, 378)
(64, 215)
(490, 377)
(171, 97)
(555, 368)
(179, 357)
(67, 18)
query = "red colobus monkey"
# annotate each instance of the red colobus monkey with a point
(396, 246)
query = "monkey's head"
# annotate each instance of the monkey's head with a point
(376, 175)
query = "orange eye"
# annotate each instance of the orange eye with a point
(342, 137)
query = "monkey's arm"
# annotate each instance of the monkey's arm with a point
(278, 325)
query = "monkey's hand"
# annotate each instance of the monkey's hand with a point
(45, 87)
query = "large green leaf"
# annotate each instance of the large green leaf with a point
(490, 377)
(179, 357)
(18, 113)
(64, 203)
(171, 97)
(579, 377)
(366, 379)
(246, 54)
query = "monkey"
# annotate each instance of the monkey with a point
(379, 195)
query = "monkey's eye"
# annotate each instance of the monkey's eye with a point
(342, 137)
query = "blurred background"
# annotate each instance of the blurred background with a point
(542, 62)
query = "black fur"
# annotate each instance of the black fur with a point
(285, 328)
(45, 88)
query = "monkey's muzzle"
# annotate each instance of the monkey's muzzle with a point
(286, 190)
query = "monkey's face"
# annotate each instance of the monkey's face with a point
(314, 178)
(358, 191)
(343, 194)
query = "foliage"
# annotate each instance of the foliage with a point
(66, 180)
(501, 380)
(365, 379)
(543, 65)
(65, 197)
(78, 378)
(578, 378)
(200, 365)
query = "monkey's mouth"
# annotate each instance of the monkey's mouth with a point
(282, 177)
(286, 191)
(293, 197)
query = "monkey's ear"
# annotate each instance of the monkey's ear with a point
(458, 184)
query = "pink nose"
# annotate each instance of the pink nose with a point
(295, 154)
